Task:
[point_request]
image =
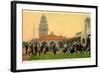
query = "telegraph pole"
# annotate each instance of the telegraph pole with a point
(33, 32)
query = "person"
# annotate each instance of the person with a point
(38, 48)
(45, 49)
(35, 48)
(31, 47)
(41, 48)
(88, 48)
(54, 49)
(26, 48)
(72, 49)
(81, 48)
(57, 46)
(65, 48)
(51, 47)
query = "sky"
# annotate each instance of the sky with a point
(66, 24)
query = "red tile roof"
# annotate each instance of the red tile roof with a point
(52, 37)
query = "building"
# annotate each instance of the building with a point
(43, 33)
(52, 38)
(85, 38)
(86, 33)
(43, 27)
(82, 37)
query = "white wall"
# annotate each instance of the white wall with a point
(5, 36)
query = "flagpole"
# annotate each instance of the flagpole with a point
(33, 31)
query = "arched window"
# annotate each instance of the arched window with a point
(61, 44)
(52, 42)
(88, 41)
(83, 41)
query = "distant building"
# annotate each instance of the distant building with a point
(82, 37)
(86, 33)
(43, 27)
(85, 38)
(43, 33)
(52, 38)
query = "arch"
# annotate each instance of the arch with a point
(61, 44)
(88, 41)
(83, 41)
(44, 42)
(52, 42)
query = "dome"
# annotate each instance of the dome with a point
(43, 17)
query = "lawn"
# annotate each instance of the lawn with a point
(60, 56)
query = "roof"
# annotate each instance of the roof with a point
(52, 37)
(72, 38)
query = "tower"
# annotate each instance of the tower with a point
(43, 26)
(87, 25)
(86, 31)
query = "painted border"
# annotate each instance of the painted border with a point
(13, 34)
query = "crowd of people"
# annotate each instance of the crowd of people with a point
(37, 49)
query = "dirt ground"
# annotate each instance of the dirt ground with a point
(26, 56)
